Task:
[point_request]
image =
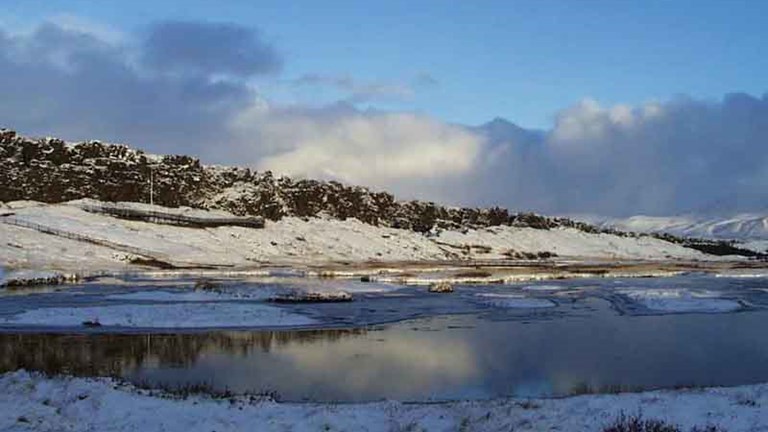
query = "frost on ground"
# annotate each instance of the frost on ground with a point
(514, 301)
(680, 300)
(183, 315)
(34, 402)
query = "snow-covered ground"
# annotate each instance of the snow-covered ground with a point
(291, 240)
(33, 402)
(177, 315)
(760, 246)
(681, 300)
(565, 242)
(741, 227)
(750, 274)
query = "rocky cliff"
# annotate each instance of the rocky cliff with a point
(51, 170)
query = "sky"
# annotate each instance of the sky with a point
(387, 94)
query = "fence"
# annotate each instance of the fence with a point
(12, 220)
(172, 218)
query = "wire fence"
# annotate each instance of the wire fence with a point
(13, 220)
(131, 213)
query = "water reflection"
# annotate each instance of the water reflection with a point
(122, 354)
(442, 357)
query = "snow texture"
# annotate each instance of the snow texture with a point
(33, 402)
(182, 315)
(681, 300)
(742, 226)
(288, 241)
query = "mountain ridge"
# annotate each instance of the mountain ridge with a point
(742, 226)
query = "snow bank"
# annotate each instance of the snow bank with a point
(34, 402)
(514, 301)
(743, 275)
(680, 300)
(195, 315)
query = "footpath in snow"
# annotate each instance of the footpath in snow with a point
(33, 402)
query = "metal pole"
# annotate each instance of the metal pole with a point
(151, 186)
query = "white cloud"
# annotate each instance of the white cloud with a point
(73, 79)
(343, 143)
(678, 156)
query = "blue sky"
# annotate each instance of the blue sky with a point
(639, 107)
(522, 60)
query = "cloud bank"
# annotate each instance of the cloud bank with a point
(71, 83)
(208, 48)
(343, 143)
(679, 156)
(188, 87)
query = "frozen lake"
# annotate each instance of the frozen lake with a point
(545, 339)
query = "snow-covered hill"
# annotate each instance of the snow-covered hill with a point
(52, 171)
(739, 227)
(67, 237)
(750, 230)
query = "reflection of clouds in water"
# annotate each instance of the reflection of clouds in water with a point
(402, 364)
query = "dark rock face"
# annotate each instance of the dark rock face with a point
(50, 170)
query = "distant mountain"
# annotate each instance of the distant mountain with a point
(501, 131)
(739, 227)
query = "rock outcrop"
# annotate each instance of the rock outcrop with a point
(51, 170)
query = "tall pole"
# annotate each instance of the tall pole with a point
(151, 186)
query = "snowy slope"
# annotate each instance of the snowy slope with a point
(739, 227)
(290, 240)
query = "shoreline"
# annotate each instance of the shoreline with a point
(67, 403)
(404, 273)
